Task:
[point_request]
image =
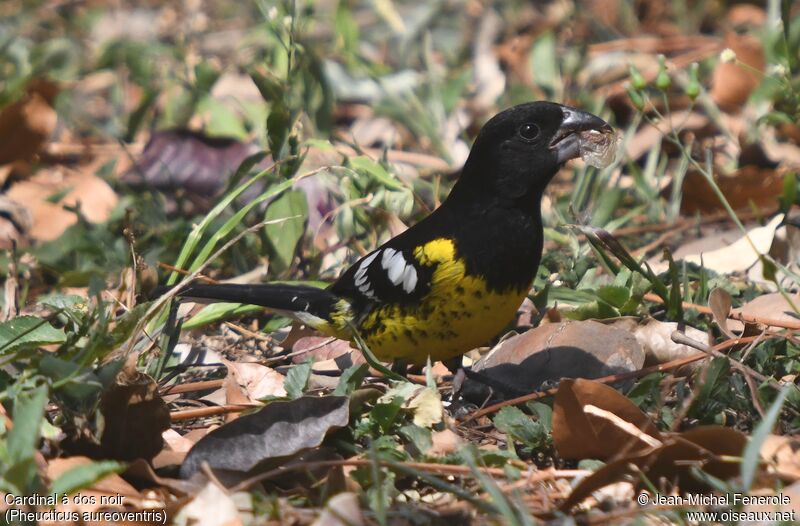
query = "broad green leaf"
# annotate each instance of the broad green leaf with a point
(297, 379)
(284, 235)
(28, 332)
(84, 476)
(23, 437)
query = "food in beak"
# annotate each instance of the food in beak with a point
(597, 148)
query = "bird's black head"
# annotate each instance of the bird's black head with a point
(520, 149)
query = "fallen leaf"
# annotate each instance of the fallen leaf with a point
(16, 222)
(256, 381)
(737, 256)
(782, 453)
(277, 431)
(212, 506)
(669, 464)
(93, 194)
(578, 435)
(109, 493)
(745, 187)
(134, 416)
(572, 349)
(427, 407)
(444, 443)
(655, 337)
(733, 82)
(27, 124)
(343, 509)
(719, 301)
(774, 306)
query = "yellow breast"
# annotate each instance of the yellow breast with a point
(458, 314)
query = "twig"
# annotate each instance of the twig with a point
(681, 338)
(784, 324)
(189, 414)
(442, 469)
(191, 387)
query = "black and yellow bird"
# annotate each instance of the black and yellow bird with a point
(454, 280)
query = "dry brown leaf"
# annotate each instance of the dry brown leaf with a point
(27, 124)
(782, 453)
(774, 306)
(670, 463)
(251, 382)
(733, 82)
(747, 186)
(655, 337)
(444, 443)
(319, 348)
(134, 416)
(719, 301)
(341, 510)
(578, 435)
(107, 490)
(95, 196)
(212, 506)
(572, 349)
(736, 256)
(15, 223)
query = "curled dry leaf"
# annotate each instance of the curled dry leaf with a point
(279, 430)
(427, 407)
(719, 301)
(572, 349)
(670, 463)
(655, 337)
(578, 434)
(134, 417)
(255, 381)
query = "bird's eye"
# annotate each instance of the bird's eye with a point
(529, 131)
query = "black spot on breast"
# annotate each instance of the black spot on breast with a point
(459, 290)
(478, 294)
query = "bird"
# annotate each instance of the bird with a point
(454, 280)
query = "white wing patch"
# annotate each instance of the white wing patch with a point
(399, 270)
(360, 277)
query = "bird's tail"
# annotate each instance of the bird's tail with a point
(304, 302)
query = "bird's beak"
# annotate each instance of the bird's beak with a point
(565, 143)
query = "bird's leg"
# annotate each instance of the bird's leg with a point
(399, 366)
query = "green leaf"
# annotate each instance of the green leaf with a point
(84, 476)
(297, 379)
(520, 427)
(418, 437)
(283, 236)
(351, 379)
(613, 295)
(24, 437)
(752, 452)
(218, 311)
(28, 332)
(279, 124)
